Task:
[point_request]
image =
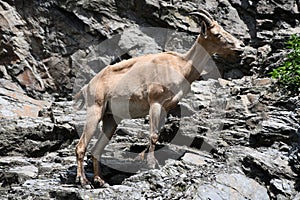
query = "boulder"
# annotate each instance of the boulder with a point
(232, 186)
(15, 103)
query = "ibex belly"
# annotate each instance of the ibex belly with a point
(125, 108)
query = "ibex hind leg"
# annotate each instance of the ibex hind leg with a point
(93, 117)
(108, 129)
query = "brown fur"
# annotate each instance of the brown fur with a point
(150, 84)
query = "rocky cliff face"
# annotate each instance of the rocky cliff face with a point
(238, 137)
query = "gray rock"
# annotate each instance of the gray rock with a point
(25, 172)
(233, 74)
(274, 129)
(294, 155)
(297, 196)
(134, 42)
(195, 159)
(282, 186)
(247, 187)
(49, 49)
(263, 165)
(15, 103)
(11, 161)
(232, 186)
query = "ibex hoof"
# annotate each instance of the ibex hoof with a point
(83, 182)
(99, 182)
(151, 162)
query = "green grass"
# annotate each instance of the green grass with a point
(288, 73)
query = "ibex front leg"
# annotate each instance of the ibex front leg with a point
(157, 115)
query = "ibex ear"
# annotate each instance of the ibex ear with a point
(203, 30)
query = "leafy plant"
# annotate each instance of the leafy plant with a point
(288, 73)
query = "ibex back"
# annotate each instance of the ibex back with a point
(151, 84)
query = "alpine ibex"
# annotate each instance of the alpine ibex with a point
(150, 84)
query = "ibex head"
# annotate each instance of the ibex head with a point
(215, 39)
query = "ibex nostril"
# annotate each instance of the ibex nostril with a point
(242, 45)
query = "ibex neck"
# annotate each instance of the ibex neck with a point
(196, 58)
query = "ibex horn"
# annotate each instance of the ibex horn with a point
(206, 13)
(204, 17)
